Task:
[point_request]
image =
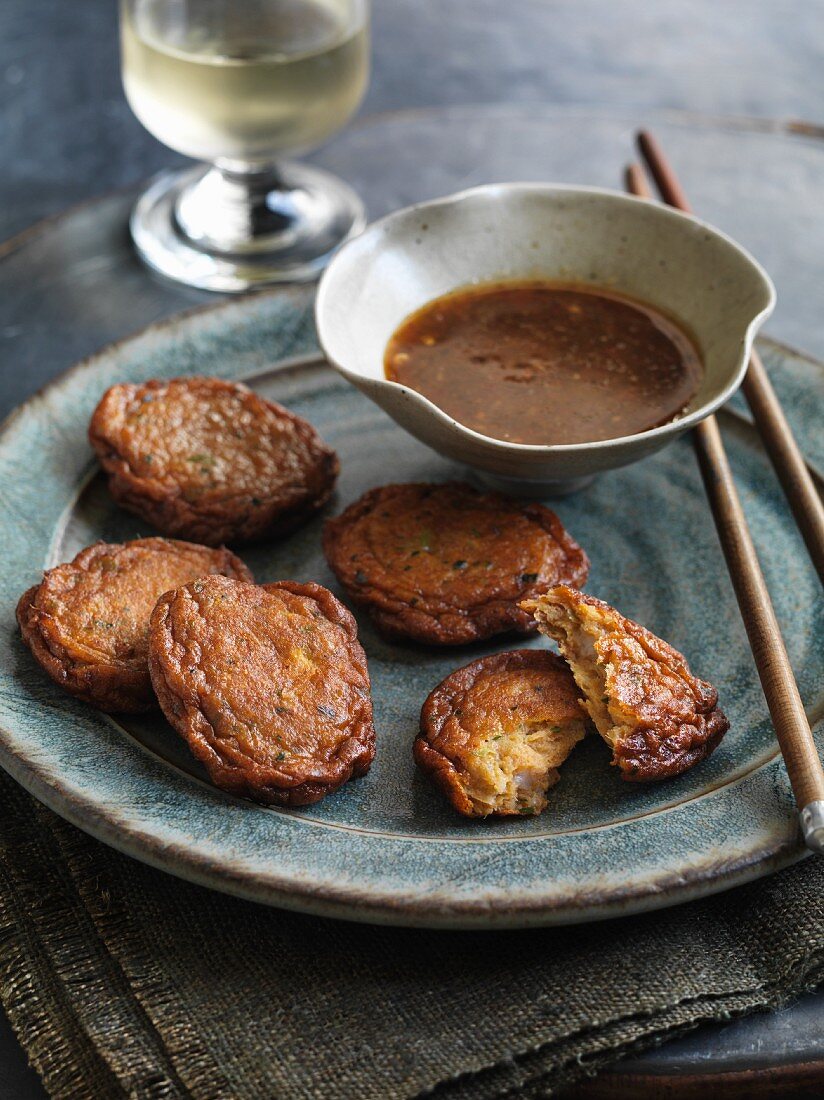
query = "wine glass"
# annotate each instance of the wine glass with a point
(237, 83)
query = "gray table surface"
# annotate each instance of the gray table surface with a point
(68, 135)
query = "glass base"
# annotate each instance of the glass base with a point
(227, 228)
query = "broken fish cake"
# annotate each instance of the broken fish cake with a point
(494, 733)
(658, 718)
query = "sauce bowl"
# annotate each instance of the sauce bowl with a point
(526, 231)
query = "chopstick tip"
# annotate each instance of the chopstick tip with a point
(635, 181)
(812, 826)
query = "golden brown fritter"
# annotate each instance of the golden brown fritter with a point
(657, 717)
(87, 621)
(444, 564)
(267, 684)
(493, 734)
(210, 460)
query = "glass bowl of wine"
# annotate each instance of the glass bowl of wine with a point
(238, 84)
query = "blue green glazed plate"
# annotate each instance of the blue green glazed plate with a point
(387, 848)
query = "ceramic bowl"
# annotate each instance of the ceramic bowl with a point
(539, 231)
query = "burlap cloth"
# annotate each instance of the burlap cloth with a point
(122, 981)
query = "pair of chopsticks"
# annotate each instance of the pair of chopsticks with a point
(774, 669)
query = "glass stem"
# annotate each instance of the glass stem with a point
(237, 207)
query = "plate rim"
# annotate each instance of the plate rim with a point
(348, 902)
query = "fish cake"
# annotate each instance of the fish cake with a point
(493, 734)
(211, 461)
(87, 621)
(267, 684)
(445, 564)
(656, 716)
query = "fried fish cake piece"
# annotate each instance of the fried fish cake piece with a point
(445, 564)
(267, 684)
(656, 716)
(494, 733)
(209, 460)
(87, 621)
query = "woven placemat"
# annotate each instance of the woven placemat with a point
(120, 980)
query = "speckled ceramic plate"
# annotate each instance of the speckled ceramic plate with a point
(386, 848)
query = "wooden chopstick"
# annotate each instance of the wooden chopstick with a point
(792, 729)
(779, 441)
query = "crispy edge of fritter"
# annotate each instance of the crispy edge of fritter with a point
(440, 706)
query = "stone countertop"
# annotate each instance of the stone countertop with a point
(68, 134)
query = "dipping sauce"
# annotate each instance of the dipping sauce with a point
(546, 363)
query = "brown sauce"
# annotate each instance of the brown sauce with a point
(546, 363)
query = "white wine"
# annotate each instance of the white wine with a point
(246, 81)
